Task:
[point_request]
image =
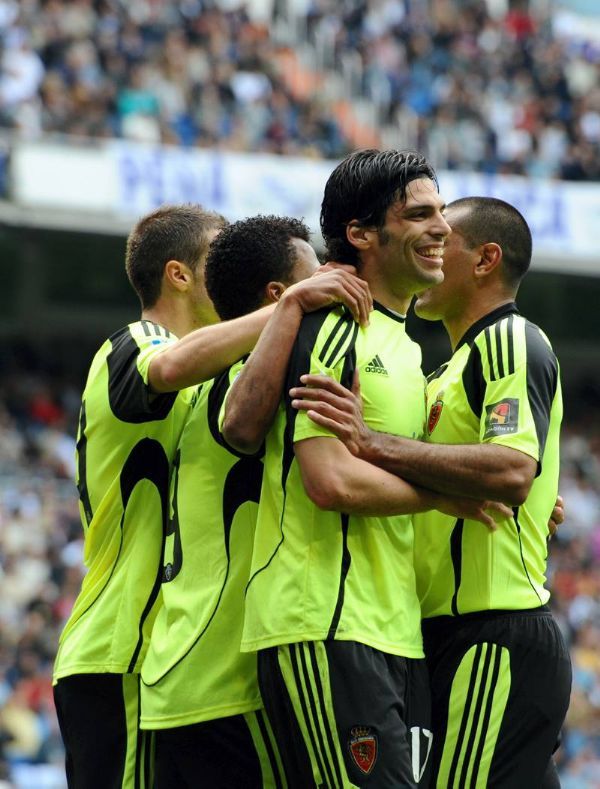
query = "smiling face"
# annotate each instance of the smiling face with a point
(409, 247)
(447, 300)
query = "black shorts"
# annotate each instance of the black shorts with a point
(237, 752)
(99, 719)
(344, 714)
(500, 687)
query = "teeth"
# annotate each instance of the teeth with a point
(432, 252)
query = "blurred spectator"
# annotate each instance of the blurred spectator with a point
(512, 92)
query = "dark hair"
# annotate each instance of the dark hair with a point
(172, 232)
(248, 255)
(362, 188)
(487, 219)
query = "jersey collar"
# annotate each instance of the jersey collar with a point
(487, 320)
(396, 316)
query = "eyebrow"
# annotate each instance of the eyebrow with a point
(421, 206)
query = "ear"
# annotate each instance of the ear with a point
(359, 236)
(178, 275)
(274, 291)
(491, 257)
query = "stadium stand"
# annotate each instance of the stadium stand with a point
(510, 92)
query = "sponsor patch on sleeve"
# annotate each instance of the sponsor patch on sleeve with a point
(502, 418)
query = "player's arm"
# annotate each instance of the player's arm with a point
(206, 352)
(485, 471)
(334, 479)
(253, 399)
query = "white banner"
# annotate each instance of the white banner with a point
(125, 180)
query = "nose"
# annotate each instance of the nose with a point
(440, 227)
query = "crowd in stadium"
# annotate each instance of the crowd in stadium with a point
(513, 93)
(41, 570)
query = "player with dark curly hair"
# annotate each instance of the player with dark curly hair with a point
(199, 693)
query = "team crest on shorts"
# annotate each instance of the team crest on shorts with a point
(434, 413)
(363, 748)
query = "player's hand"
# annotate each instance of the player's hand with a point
(490, 513)
(557, 516)
(332, 284)
(332, 406)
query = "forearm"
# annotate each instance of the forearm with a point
(255, 395)
(482, 471)
(360, 488)
(206, 352)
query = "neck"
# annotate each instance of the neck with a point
(177, 318)
(397, 302)
(470, 313)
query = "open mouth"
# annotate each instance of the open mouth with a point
(433, 255)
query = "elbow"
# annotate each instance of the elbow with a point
(241, 437)
(164, 374)
(327, 494)
(516, 488)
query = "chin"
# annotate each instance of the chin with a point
(425, 309)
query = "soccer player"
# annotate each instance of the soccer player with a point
(331, 604)
(133, 410)
(500, 670)
(198, 691)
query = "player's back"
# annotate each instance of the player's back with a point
(126, 441)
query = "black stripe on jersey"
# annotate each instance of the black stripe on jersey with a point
(542, 382)
(242, 484)
(351, 327)
(84, 495)
(324, 716)
(518, 528)
(488, 346)
(216, 397)
(300, 693)
(498, 333)
(456, 556)
(129, 397)
(437, 373)
(171, 570)
(147, 460)
(476, 713)
(465, 715)
(343, 321)
(345, 567)
(473, 381)
(511, 344)
(146, 327)
(260, 719)
(486, 716)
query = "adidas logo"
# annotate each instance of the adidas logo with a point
(376, 366)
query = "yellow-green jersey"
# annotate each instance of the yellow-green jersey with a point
(126, 442)
(501, 386)
(324, 575)
(194, 670)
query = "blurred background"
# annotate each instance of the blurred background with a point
(109, 108)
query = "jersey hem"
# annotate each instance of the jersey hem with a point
(87, 669)
(156, 722)
(401, 650)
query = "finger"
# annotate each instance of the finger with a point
(323, 421)
(324, 382)
(312, 398)
(332, 265)
(487, 520)
(356, 383)
(552, 527)
(498, 509)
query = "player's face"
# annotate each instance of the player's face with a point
(306, 261)
(447, 300)
(410, 245)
